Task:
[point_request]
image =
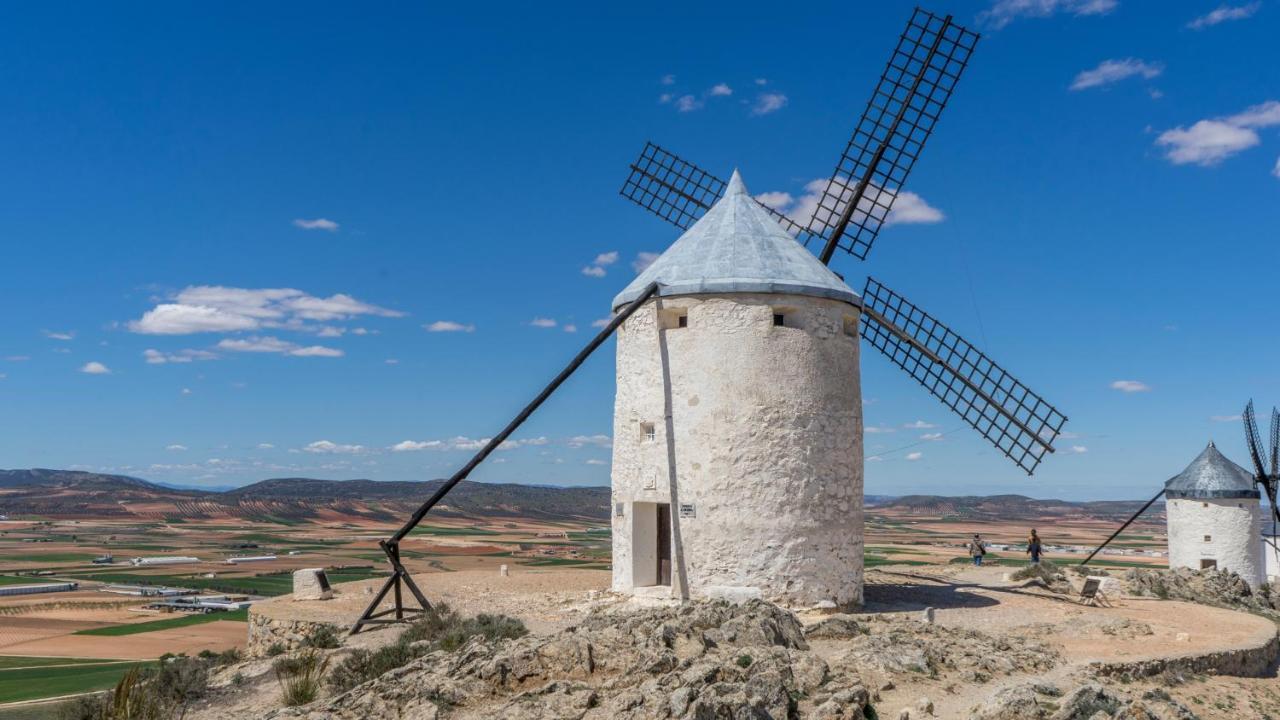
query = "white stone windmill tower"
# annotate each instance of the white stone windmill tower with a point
(1214, 517)
(737, 450)
(738, 421)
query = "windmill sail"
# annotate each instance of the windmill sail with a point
(921, 74)
(1275, 444)
(1017, 421)
(680, 192)
(1256, 451)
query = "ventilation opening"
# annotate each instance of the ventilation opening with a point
(851, 325)
(673, 318)
(648, 432)
(784, 317)
(1208, 538)
(1208, 564)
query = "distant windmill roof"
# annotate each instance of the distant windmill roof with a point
(1212, 475)
(736, 247)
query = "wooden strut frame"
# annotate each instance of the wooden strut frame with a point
(1126, 524)
(400, 577)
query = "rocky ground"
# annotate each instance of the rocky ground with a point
(996, 652)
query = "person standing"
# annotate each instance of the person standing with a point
(1034, 548)
(977, 549)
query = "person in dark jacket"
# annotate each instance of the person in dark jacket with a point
(977, 549)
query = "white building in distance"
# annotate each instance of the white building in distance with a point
(737, 452)
(1214, 517)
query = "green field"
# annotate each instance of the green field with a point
(270, 585)
(16, 580)
(437, 530)
(167, 623)
(9, 662)
(43, 682)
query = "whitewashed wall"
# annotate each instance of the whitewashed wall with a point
(764, 441)
(1232, 526)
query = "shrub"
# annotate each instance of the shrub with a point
(1045, 571)
(161, 693)
(744, 661)
(275, 649)
(440, 628)
(300, 676)
(322, 636)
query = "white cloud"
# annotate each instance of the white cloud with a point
(1003, 12)
(185, 391)
(1130, 386)
(601, 322)
(768, 103)
(1077, 450)
(329, 331)
(762, 81)
(1223, 14)
(156, 357)
(643, 260)
(594, 461)
(276, 345)
(3, 376)
(607, 258)
(688, 103)
(68, 335)
(919, 425)
(1208, 142)
(578, 441)
(775, 200)
(94, 368)
(209, 308)
(541, 322)
(720, 90)
(176, 448)
(316, 351)
(324, 447)
(913, 456)
(392, 361)
(570, 328)
(908, 207)
(668, 79)
(1224, 418)
(317, 224)
(449, 326)
(877, 429)
(416, 445)
(1113, 71)
(265, 446)
(664, 98)
(931, 436)
(1276, 170)
(593, 271)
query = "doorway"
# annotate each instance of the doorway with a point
(651, 544)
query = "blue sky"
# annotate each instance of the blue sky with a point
(229, 230)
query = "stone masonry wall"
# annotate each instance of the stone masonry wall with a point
(762, 449)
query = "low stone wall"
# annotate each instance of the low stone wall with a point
(267, 631)
(1243, 662)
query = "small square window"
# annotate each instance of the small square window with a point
(682, 321)
(1208, 538)
(648, 432)
(779, 320)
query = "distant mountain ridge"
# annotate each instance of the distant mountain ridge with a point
(1009, 507)
(78, 494)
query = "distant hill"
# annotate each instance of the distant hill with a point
(76, 494)
(1010, 507)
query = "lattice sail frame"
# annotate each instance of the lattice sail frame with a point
(680, 192)
(1275, 444)
(921, 74)
(1020, 423)
(1257, 452)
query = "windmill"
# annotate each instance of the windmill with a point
(914, 88)
(1216, 484)
(921, 74)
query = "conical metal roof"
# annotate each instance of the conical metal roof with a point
(1212, 475)
(736, 247)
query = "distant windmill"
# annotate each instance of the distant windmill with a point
(913, 90)
(922, 72)
(1213, 512)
